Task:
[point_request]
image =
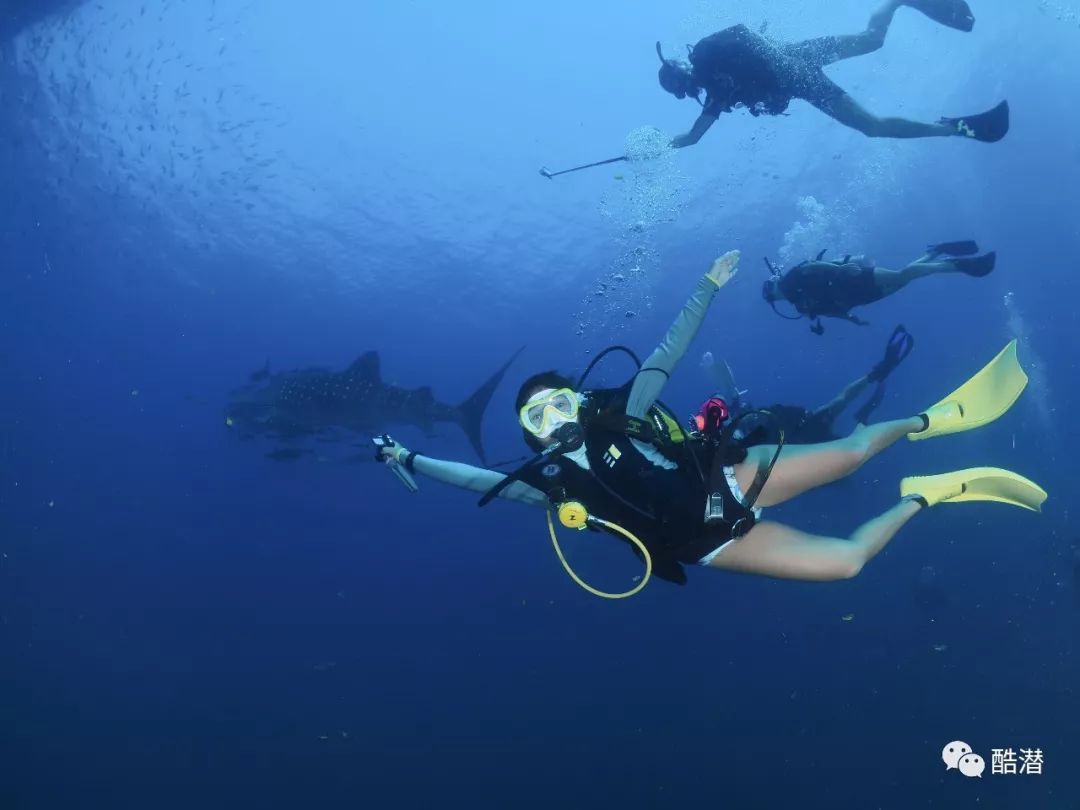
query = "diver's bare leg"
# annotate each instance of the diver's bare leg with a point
(889, 281)
(775, 550)
(823, 51)
(803, 467)
(843, 108)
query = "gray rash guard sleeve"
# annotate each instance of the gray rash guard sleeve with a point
(651, 380)
(477, 479)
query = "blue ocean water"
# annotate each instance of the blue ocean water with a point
(191, 190)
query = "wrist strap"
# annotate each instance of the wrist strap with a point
(409, 462)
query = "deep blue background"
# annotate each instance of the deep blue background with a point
(186, 623)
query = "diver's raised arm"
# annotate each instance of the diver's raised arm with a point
(658, 366)
(465, 476)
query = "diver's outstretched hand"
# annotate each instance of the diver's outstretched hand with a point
(724, 269)
(389, 448)
(395, 456)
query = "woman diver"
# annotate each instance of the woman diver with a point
(616, 459)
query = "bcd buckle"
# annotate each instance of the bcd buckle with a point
(714, 508)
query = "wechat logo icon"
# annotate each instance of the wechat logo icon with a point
(958, 755)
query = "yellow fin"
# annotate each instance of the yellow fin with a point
(979, 401)
(976, 484)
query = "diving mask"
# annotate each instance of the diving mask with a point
(548, 409)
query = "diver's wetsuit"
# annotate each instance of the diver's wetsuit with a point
(738, 67)
(644, 391)
(829, 289)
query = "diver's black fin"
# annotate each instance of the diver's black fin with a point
(821, 254)
(988, 127)
(471, 412)
(963, 247)
(367, 366)
(953, 13)
(977, 266)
